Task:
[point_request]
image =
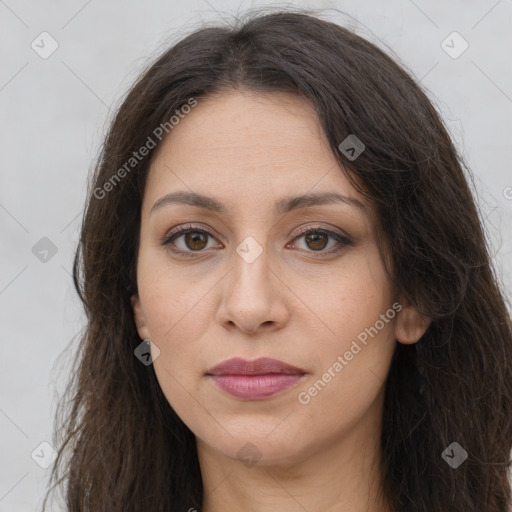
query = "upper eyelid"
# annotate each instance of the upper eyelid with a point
(334, 231)
(180, 230)
(212, 232)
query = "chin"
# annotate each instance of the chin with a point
(256, 446)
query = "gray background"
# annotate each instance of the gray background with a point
(53, 117)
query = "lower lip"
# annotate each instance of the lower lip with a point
(255, 387)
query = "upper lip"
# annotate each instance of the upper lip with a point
(261, 366)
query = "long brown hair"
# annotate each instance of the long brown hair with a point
(126, 448)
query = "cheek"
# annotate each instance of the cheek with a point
(174, 300)
(173, 308)
(351, 367)
(347, 302)
(354, 342)
(174, 314)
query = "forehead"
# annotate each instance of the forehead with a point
(250, 146)
(266, 127)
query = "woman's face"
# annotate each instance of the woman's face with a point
(248, 176)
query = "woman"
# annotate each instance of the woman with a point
(290, 301)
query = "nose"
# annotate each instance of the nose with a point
(253, 297)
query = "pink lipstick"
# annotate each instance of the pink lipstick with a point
(254, 380)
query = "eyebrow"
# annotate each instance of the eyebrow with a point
(281, 207)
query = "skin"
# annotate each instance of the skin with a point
(248, 150)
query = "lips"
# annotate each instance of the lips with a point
(262, 366)
(255, 380)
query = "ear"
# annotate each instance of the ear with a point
(139, 318)
(410, 325)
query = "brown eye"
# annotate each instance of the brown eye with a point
(317, 241)
(196, 240)
(188, 239)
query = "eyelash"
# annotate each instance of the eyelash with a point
(189, 228)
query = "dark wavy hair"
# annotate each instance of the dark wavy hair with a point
(127, 450)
